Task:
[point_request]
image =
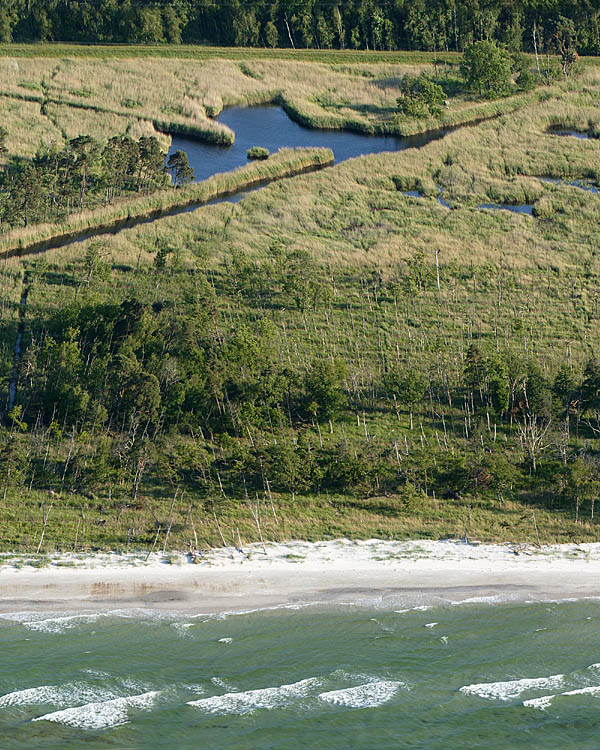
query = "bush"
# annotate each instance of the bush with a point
(84, 93)
(30, 85)
(421, 97)
(257, 152)
(527, 80)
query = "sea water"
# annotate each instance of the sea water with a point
(481, 674)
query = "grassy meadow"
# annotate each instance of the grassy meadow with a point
(397, 281)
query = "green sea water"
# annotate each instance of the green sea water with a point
(475, 675)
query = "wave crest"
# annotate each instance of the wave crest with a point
(362, 696)
(250, 700)
(102, 715)
(510, 689)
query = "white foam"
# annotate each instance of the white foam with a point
(545, 700)
(194, 688)
(241, 612)
(371, 695)
(431, 624)
(225, 640)
(222, 684)
(182, 627)
(102, 715)
(56, 695)
(510, 689)
(41, 623)
(592, 690)
(496, 599)
(541, 703)
(250, 700)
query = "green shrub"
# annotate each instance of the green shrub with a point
(257, 152)
(527, 80)
(30, 85)
(84, 93)
(421, 97)
(486, 68)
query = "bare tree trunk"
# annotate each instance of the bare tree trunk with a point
(537, 536)
(535, 47)
(255, 513)
(44, 524)
(285, 18)
(170, 522)
(154, 543)
(219, 529)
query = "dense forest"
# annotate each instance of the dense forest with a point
(358, 24)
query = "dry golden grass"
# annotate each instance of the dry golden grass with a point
(353, 215)
(28, 129)
(73, 121)
(185, 93)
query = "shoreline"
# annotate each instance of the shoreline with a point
(371, 573)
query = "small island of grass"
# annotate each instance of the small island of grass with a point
(258, 152)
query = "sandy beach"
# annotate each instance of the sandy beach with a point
(403, 574)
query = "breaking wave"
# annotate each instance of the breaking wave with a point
(362, 696)
(510, 689)
(250, 700)
(102, 714)
(56, 695)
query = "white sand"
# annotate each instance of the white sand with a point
(415, 573)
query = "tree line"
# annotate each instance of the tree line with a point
(435, 25)
(82, 174)
(166, 365)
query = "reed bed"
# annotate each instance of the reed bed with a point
(28, 129)
(101, 125)
(183, 96)
(285, 163)
(356, 215)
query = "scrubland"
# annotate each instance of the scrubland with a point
(384, 282)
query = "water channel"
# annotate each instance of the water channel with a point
(265, 125)
(270, 126)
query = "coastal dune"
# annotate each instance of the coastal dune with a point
(339, 572)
